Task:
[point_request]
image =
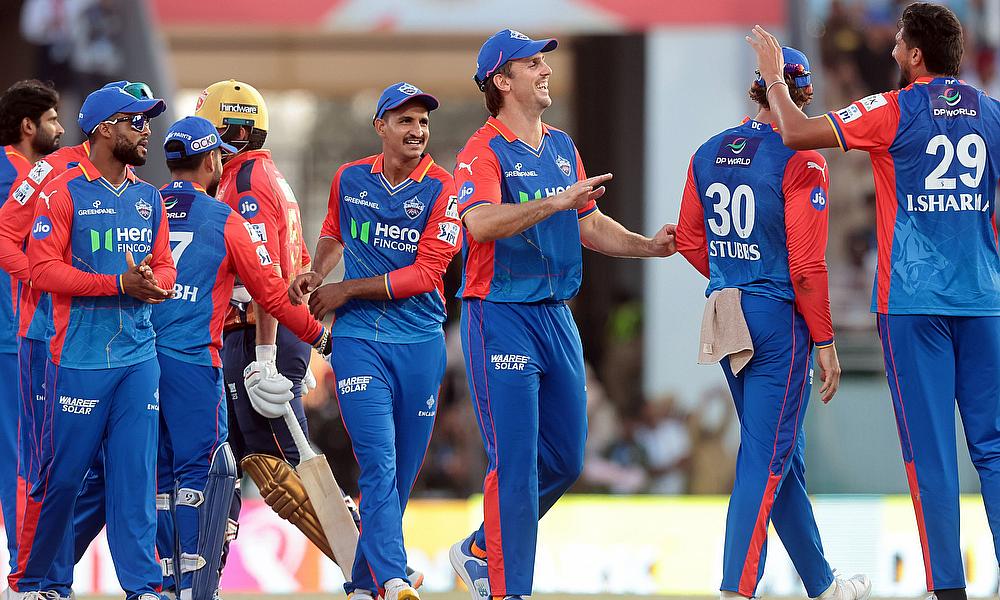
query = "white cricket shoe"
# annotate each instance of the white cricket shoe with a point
(397, 589)
(471, 569)
(858, 587)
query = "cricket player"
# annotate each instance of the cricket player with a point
(29, 129)
(393, 219)
(935, 159)
(211, 245)
(754, 219)
(34, 330)
(101, 380)
(527, 206)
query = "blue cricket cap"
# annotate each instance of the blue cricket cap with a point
(504, 46)
(796, 65)
(198, 136)
(101, 104)
(400, 93)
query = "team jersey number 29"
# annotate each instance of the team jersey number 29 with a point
(734, 210)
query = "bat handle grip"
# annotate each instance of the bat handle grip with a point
(305, 450)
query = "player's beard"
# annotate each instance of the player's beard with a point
(127, 152)
(45, 144)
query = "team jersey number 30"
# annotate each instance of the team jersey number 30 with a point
(734, 210)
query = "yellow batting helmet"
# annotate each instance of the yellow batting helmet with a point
(232, 103)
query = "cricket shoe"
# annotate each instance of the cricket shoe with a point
(397, 589)
(360, 595)
(470, 569)
(416, 577)
(727, 595)
(858, 587)
(9, 594)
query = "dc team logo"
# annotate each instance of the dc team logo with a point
(408, 88)
(42, 228)
(249, 207)
(954, 100)
(145, 209)
(563, 165)
(818, 198)
(736, 151)
(413, 207)
(517, 35)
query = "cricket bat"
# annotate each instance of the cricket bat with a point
(324, 493)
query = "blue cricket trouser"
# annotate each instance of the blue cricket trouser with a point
(771, 394)
(930, 362)
(9, 443)
(86, 409)
(249, 431)
(192, 425)
(525, 369)
(388, 395)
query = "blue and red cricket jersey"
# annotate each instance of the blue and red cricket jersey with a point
(935, 194)
(14, 168)
(82, 231)
(753, 217)
(16, 219)
(545, 261)
(407, 233)
(211, 245)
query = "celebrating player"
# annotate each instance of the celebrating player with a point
(527, 205)
(393, 218)
(933, 146)
(29, 129)
(764, 251)
(211, 245)
(102, 371)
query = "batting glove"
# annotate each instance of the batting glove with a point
(308, 382)
(269, 390)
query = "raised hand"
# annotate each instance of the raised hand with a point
(770, 61)
(582, 192)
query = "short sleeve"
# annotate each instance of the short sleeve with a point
(868, 124)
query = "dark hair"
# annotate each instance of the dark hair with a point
(255, 137)
(30, 99)
(800, 96)
(494, 98)
(188, 163)
(937, 32)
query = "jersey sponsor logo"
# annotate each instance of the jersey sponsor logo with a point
(430, 412)
(263, 256)
(257, 232)
(137, 240)
(947, 203)
(948, 101)
(23, 192)
(237, 107)
(185, 292)
(39, 171)
(870, 103)
(448, 232)
(358, 383)
(539, 194)
(509, 362)
(361, 200)
(468, 166)
(145, 209)
(451, 211)
(815, 165)
(413, 207)
(394, 237)
(737, 151)
(817, 197)
(249, 207)
(849, 113)
(96, 210)
(178, 207)
(78, 406)
(42, 228)
(467, 188)
(519, 171)
(563, 165)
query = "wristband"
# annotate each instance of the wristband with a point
(121, 286)
(771, 85)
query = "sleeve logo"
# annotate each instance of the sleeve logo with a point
(466, 192)
(448, 232)
(265, 258)
(451, 211)
(249, 207)
(849, 113)
(23, 192)
(874, 101)
(42, 228)
(467, 166)
(817, 197)
(257, 231)
(39, 171)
